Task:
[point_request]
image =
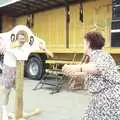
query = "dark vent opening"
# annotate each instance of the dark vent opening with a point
(115, 39)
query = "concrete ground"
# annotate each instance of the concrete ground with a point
(65, 105)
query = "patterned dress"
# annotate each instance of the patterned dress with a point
(104, 87)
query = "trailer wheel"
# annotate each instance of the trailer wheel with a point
(1, 62)
(35, 68)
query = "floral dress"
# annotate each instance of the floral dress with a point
(104, 87)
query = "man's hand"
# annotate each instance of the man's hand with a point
(49, 53)
(43, 47)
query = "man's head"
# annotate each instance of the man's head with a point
(22, 37)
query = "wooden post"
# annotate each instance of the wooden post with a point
(19, 89)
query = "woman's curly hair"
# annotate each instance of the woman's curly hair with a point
(95, 39)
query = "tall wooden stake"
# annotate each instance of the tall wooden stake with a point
(19, 89)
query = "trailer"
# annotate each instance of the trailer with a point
(62, 24)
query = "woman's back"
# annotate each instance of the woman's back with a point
(107, 74)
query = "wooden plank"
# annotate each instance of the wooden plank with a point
(19, 89)
(62, 62)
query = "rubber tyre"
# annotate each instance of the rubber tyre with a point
(35, 68)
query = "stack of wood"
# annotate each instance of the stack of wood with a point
(78, 82)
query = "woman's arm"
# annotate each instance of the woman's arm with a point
(79, 69)
(89, 68)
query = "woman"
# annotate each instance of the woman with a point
(103, 80)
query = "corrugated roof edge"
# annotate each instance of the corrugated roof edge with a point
(8, 3)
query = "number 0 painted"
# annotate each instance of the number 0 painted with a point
(31, 40)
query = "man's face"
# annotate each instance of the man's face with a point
(21, 39)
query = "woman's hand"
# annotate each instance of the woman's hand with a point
(72, 70)
(65, 70)
(69, 70)
(78, 74)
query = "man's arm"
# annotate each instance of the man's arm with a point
(43, 47)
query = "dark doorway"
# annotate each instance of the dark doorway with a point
(115, 34)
